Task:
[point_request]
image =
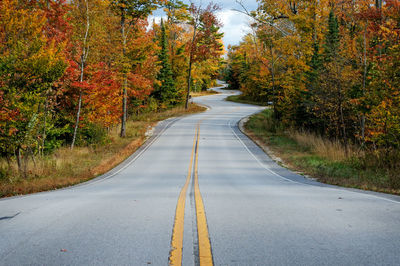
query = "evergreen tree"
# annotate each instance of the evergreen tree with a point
(305, 117)
(332, 39)
(315, 65)
(166, 92)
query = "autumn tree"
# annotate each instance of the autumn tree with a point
(382, 127)
(141, 54)
(177, 16)
(129, 12)
(57, 31)
(102, 99)
(82, 30)
(205, 41)
(67, 67)
(331, 66)
(29, 67)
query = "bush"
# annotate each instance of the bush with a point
(385, 159)
(3, 173)
(266, 122)
(91, 134)
(55, 137)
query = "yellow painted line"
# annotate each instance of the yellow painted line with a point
(205, 254)
(175, 255)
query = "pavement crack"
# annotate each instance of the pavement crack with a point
(9, 217)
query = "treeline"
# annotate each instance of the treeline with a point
(331, 67)
(71, 70)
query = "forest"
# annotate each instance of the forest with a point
(73, 71)
(329, 68)
(78, 76)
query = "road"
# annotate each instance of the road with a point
(201, 193)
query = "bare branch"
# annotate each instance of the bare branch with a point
(263, 22)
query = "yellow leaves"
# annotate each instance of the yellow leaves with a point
(19, 26)
(332, 92)
(203, 70)
(384, 121)
(23, 30)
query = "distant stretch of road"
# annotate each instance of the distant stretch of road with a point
(201, 193)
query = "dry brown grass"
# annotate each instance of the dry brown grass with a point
(323, 159)
(66, 167)
(333, 150)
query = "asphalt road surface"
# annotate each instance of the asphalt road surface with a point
(201, 193)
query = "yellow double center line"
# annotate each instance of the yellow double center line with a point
(205, 255)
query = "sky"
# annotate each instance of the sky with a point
(236, 25)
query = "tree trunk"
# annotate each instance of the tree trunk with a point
(364, 85)
(125, 81)
(32, 156)
(18, 156)
(78, 115)
(124, 108)
(8, 160)
(26, 159)
(315, 22)
(378, 4)
(342, 122)
(189, 80)
(363, 130)
(44, 124)
(343, 126)
(274, 92)
(83, 60)
(190, 68)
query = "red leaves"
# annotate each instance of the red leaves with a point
(82, 85)
(7, 116)
(103, 101)
(207, 40)
(140, 87)
(57, 27)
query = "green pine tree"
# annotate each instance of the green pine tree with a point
(305, 116)
(315, 65)
(166, 92)
(332, 38)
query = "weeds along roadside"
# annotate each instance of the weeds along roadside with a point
(66, 167)
(327, 160)
(243, 99)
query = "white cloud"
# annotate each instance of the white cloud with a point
(235, 26)
(156, 18)
(225, 4)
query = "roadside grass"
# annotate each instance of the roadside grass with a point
(244, 99)
(203, 93)
(66, 167)
(228, 88)
(326, 160)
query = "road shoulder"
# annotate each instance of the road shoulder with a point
(275, 165)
